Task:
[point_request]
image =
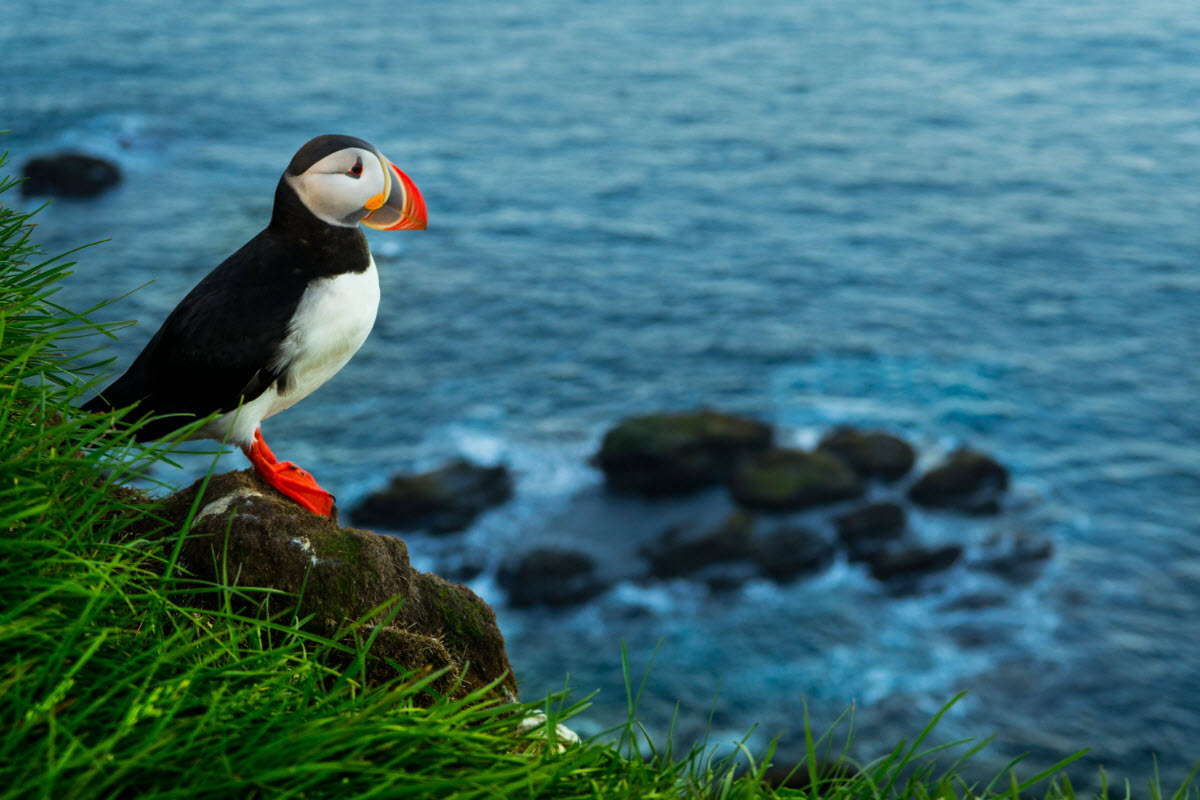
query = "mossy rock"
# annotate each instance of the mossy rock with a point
(676, 453)
(259, 539)
(790, 480)
(872, 454)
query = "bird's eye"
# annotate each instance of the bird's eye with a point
(356, 170)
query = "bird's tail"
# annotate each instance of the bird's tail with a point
(133, 414)
(141, 416)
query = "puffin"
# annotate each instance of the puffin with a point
(279, 317)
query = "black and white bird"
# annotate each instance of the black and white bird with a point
(279, 317)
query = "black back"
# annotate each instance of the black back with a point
(218, 348)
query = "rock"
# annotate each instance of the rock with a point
(69, 175)
(246, 530)
(676, 453)
(680, 551)
(445, 500)
(866, 531)
(872, 454)
(914, 561)
(831, 776)
(967, 481)
(976, 601)
(550, 577)
(461, 571)
(1016, 555)
(791, 552)
(790, 480)
(729, 576)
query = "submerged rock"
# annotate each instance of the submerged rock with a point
(262, 540)
(676, 453)
(914, 561)
(790, 480)
(444, 500)
(966, 481)
(866, 531)
(550, 577)
(789, 553)
(681, 551)
(69, 175)
(872, 454)
(1017, 555)
(729, 576)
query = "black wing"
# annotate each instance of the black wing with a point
(218, 347)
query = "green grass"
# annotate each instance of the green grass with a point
(115, 684)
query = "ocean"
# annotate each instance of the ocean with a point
(965, 222)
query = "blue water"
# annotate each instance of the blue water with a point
(967, 222)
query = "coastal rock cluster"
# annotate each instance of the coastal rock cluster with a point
(861, 486)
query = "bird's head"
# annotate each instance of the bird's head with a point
(344, 181)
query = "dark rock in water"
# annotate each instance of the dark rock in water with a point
(461, 571)
(550, 577)
(789, 480)
(977, 601)
(866, 531)
(445, 500)
(1016, 555)
(263, 540)
(792, 552)
(829, 773)
(680, 552)
(69, 175)
(966, 481)
(884, 520)
(727, 577)
(914, 561)
(872, 454)
(676, 453)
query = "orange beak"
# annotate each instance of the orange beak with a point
(402, 209)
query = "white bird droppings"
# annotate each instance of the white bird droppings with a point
(536, 724)
(222, 505)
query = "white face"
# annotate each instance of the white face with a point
(338, 187)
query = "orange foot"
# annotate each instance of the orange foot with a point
(289, 479)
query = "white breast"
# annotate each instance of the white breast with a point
(330, 324)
